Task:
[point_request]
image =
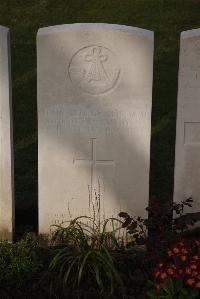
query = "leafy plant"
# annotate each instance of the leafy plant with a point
(135, 226)
(18, 262)
(20, 266)
(165, 228)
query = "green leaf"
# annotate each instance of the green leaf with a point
(150, 283)
(83, 265)
(97, 276)
(152, 294)
(178, 285)
(184, 291)
(66, 276)
(168, 287)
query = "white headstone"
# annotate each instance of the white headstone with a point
(6, 146)
(94, 119)
(187, 161)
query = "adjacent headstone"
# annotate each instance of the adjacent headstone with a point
(6, 148)
(94, 120)
(187, 161)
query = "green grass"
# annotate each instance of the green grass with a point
(166, 17)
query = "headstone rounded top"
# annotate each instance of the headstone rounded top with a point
(97, 26)
(3, 29)
(190, 33)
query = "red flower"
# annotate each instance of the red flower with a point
(176, 250)
(190, 282)
(194, 273)
(193, 266)
(156, 274)
(157, 285)
(197, 285)
(170, 253)
(197, 242)
(196, 257)
(170, 271)
(180, 271)
(188, 271)
(163, 276)
(183, 258)
(184, 251)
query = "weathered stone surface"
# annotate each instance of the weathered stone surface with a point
(94, 120)
(187, 161)
(6, 146)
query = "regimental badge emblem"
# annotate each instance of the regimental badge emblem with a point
(94, 69)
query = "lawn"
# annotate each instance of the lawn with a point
(167, 18)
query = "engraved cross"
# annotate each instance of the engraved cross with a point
(93, 162)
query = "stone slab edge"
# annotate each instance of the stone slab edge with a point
(8, 235)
